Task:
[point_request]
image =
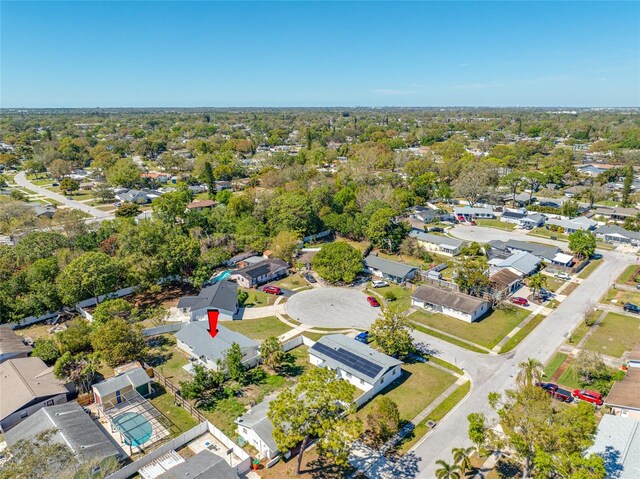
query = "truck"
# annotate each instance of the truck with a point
(556, 392)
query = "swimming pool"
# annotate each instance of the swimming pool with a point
(221, 277)
(134, 427)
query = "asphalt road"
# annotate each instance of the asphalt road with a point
(497, 373)
(21, 180)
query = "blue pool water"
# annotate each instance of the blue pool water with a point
(134, 427)
(221, 277)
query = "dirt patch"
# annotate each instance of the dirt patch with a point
(167, 297)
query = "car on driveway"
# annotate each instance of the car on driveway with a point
(520, 301)
(587, 395)
(436, 229)
(272, 290)
(379, 283)
(632, 308)
(309, 277)
(373, 302)
(556, 392)
(363, 337)
(562, 275)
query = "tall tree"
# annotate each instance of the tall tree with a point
(537, 282)
(512, 182)
(626, 186)
(530, 372)
(462, 458)
(88, 276)
(271, 353)
(582, 243)
(118, 342)
(446, 470)
(338, 262)
(384, 420)
(392, 333)
(285, 245)
(233, 363)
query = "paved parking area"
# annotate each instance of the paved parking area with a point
(332, 308)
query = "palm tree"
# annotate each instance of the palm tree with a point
(462, 457)
(537, 282)
(530, 372)
(447, 471)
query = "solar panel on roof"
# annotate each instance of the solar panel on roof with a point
(347, 358)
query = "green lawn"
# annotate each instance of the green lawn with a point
(487, 332)
(627, 274)
(258, 298)
(616, 334)
(590, 268)
(554, 363)
(545, 233)
(570, 379)
(578, 333)
(401, 258)
(553, 283)
(258, 329)
(402, 295)
(168, 359)
(449, 339)
(628, 297)
(444, 364)
(419, 385)
(495, 223)
(520, 335)
(294, 281)
(164, 402)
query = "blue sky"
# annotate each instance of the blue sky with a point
(88, 54)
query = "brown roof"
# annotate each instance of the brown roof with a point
(27, 379)
(458, 301)
(634, 354)
(201, 204)
(626, 393)
(10, 342)
(504, 278)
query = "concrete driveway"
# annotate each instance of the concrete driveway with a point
(332, 308)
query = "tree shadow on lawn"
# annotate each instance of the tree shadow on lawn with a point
(322, 468)
(159, 353)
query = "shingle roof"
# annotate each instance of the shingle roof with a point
(392, 268)
(504, 278)
(10, 342)
(540, 250)
(472, 210)
(618, 441)
(204, 465)
(513, 214)
(436, 239)
(569, 224)
(221, 295)
(521, 261)
(75, 427)
(263, 267)
(27, 379)
(458, 301)
(196, 336)
(617, 230)
(135, 377)
(256, 418)
(626, 393)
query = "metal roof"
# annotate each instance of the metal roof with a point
(391, 268)
(196, 336)
(611, 230)
(135, 377)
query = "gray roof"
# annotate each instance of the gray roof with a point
(472, 210)
(221, 295)
(459, 301)
(256, 419)
(569, 224)
(10, 342)
(391, 268)
(135, 377)
(338, 342)
(204, 465)
(267, 266)
(75, 428)
(540, 250)
(617, 230)
(618, 441)
(513, 214)
(196, 336)
(446, 241)
(521, 261)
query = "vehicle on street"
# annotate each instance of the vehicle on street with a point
(562, 275)
(379, 283)
(638, 286)
(556, 392)
(373, 302)
(520, 301)
(272, 289)
(363, 337)
(632, 308)
(436, 229)
(309, 277)
(587, 395)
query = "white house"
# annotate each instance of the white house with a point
(260, 272)
(255, 427)
(468, 213)
(532, 220)
(457, 305)
(617, 234)
(521, 263)
(581, 223)
(438, 244)
(364, 367)
(387, 269)
(222, 296)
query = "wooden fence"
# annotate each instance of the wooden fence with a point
(179, 400)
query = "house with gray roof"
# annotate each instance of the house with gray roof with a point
(75, 429)
(618, 442)
(617, 234)
(521, 263)
(437, 243)
(114, 390)
(387, 269)
(11, 345)
(581, 223)
(195, 339)
(260, 272)
(457, 305)
(366, 368)
(528, 220)
(553, 254)
(468, 213)
(222, 296)
(204, 465)
(257, 429)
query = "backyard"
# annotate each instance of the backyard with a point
(486, 332)
(402, 295)
(616, 334)
(258, 329)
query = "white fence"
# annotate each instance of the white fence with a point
(297, 341)
(167, 328)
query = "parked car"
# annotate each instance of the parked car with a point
(309, 277)
(379, 283)
(436, 229)
(272, 290)
(562, 275)
(373, 302)
(544, 293)
(363, 337)
(556, 392)
(632, 308)
(593, 397)
(519, 301)
(638, 286)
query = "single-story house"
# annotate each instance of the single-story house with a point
(505, 280)
(437, 243)
(617, 234)
(574, 191)
(255, 427)
(139, 197)
(12, 346)
(43, 211)
(391, 270)
(357, 363)
(197, 189)
(154, 175)
(201, 205)
(616, 214)
(75, 429)
(468, 213)
(260, 272)
(116, 389)
(590, 170)
(520, 263)
(618, 442)
(204, 465)
(457, 305)
(532, 220)
(222, 296)
(581, 223)
(553, 254)
(429, 215)
(624, 396)
(223, 185)
(27, 385)
(512, 217)
(239, 258)
(208, 342)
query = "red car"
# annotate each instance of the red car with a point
(593, 397)
(520, 301)
(373, 301)
(272, 290)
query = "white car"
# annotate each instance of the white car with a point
(562, 275)
(379, 284)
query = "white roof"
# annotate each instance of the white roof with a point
(562, 258)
